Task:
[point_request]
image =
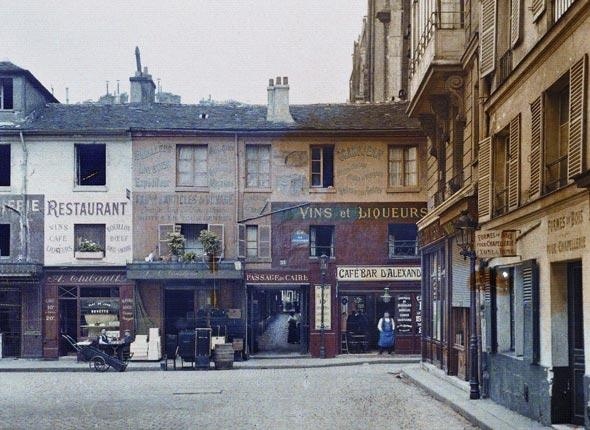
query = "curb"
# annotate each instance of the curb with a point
(84, 368)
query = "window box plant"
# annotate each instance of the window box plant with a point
(175, 245)
(89, 250)
(211, 247)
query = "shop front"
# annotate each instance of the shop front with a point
(80, 302)
(364, 293)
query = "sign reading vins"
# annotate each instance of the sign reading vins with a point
(327, 308)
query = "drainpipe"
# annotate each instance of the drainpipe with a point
(24, 216)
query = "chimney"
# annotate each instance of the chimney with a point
(278, 100)
(142, 85)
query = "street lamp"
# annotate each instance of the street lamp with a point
(323, 270)
(386, 297)
(465, 227)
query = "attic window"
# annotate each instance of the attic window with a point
(204, 115)
(6, 94)
(91, 164)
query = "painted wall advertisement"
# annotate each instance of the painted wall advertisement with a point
(327, 306)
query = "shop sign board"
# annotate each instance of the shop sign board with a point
(379, 273)
(276, 277)
(88, 278)
(404, 314)
(327, 308)
(495, 243)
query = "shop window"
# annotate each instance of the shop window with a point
(99, 308)
(501, 145)
(91, 164)
(402, 240)
(436, 286)
(258, 166)
(403, 166)
(4, 240)
(555, 150)
(5, 166)
(6, 94)
(322, 166)
(89, 237)
(192, 166)
(321, 240)
(509, 306)
(191, 234)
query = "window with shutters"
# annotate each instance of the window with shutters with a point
(487, 44)
(556, 132)
(403, 166)
(6, 94)
(191, 234)
(500, 158)
(537, 8)
(192, 166)
(90, 164)
(322, 166)
(254, 241)
(321, 240)
(402, 240)
(5, 165)
(258, 166)
(251, 241)
(4, 240)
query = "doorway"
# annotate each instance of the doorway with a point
(179, 310)
(278, 319)
(576, 342)
(10, 321)
(68, 318)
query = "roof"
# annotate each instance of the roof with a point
(7, 67)
(228, 117)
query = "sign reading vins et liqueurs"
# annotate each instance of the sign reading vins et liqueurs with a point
(379, 273)
(327, 308)
(495, 243)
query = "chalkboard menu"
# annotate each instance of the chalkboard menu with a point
(404, 314)
(419, 314)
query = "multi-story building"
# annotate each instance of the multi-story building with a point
(380, 55)
(533, 170)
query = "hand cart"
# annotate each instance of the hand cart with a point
(97, 359)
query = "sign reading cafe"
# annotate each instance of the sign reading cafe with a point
(379, 273)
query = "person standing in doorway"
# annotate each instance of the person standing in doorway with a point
(386, 327)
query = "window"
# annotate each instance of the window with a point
(321, 240)
(91, 164)
(191, 234)
(322, 166)
(258, 166)
(87, 234)
(4, 240)
(403, 166)
(6, 94)
(555, 150)
(4, 165)
(436, 287)
(500, 172)
(509, 304)
(191, 166)
(402, 240)
(253, 241)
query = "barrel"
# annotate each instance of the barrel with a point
(224, 356)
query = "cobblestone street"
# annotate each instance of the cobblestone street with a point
(352, 397)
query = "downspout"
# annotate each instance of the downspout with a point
(24, 216)
(245, 351)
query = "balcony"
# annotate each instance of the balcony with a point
(437, 54)
(183, 271)
(403, 249)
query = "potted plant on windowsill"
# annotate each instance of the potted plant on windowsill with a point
(175, 245)
(211, 247)
(89, 250)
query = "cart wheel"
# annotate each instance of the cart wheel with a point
(99, 364)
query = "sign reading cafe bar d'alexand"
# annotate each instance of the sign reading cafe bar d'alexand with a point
(379, 273)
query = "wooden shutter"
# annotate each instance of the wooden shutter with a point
(575, 160)
(241, 240)
(163, 230)
(536, 146)
(515, 14)
(264, 241)
(514, 164)
(537, 8)
(218, 230)
(484, 187)
(530, 302)
(487, 42)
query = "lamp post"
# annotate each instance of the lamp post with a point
(465, 227)
(323, 269)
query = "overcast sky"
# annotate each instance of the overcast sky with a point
(225, 48)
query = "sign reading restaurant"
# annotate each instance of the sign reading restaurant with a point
(379, 273)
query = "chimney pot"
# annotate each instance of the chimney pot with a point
(278, 101)
(278, 80)
(271, 82)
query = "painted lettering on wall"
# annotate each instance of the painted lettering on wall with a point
(57, 209)
(359, 151)
(355, 213)
(566, 236)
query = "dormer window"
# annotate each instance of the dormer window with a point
(6, 94)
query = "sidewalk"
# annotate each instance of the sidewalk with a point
(69, 364)
(483, 413)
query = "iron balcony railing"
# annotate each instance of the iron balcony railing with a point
(556, 174)
(403, 248)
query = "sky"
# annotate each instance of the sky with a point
(227, 49)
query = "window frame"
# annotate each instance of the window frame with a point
(259, 163)
(103, 235)
(7, 227)
(79, 170)
(249, 241)
(199, 251)
(3, 80)
(193, 147)
(552, 135)
(8, 164)
(500, 167)
(325, 181)
(391, 244)
(404, 168)
(313, 247)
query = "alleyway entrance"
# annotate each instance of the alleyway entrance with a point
(269, 310)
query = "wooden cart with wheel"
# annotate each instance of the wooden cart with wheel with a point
(97, 359)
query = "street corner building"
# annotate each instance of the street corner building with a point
(93, 195)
